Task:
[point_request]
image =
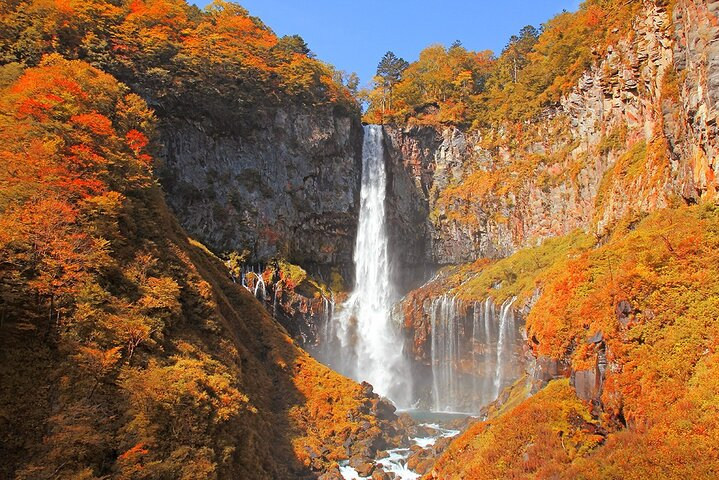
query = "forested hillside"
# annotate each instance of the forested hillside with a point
(176, 181)
(172, 52)
(127, 350)
(455, 86)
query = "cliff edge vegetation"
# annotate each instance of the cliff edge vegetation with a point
(127, 351)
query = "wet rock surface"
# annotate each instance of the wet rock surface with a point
(412, 451)
(332, 474)
(411, 164)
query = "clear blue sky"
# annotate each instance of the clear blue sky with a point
(353, 35)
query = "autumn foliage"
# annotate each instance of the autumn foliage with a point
(659, 349)
(128, 352)
(220, 61)
(650, 290)
(456, 86)
(66, 167)
(539, 438)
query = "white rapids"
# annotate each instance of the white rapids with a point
(396, 460)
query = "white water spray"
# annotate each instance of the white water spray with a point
(474, 352)
(506, 335)
(445, 353)
(371, 344)
(260, 290)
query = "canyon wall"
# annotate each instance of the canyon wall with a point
(637, 133)
(286, 185)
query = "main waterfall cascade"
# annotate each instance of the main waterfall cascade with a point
(474, 347)
(475, 352)
(370, 344)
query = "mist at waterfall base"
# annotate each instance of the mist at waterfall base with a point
(474, 347)
(361, 340)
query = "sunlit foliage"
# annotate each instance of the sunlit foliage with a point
(650, 290)
(459, 87)
(219, 60)
(128, 352)
(537, 439)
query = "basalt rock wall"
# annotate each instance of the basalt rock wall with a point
(285, 185)
(638, 132)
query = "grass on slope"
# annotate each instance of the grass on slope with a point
(660, 399)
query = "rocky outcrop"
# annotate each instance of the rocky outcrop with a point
(588, 383)
(286, 186)
(637, 133)
(302, 304)
(424, 161)
(695, 52)
(411, 165)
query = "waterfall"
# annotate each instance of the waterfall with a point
(328, 308)
(260, 291)
(489, 313)
(274, 300)
(482, 341)
(370, 344)
(445, 353)
(474, 352)
(254, 283)
(506, 335)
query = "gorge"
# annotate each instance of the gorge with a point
(366, 345)
(220, 259)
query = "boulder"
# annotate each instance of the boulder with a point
(380, 474)
(624, 311)
(333, 473)
(588, 384)
(366, 469)
(546, 369)
(363, 465)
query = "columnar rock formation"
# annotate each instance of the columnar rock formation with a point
(637, 133)
(285, 185)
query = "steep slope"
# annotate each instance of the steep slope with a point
(635, 322)
(260, 141)
(127, 351)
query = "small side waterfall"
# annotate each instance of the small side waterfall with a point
(251, 278)
(327, 324)
(445, 350)
(506, 337)
(370, 344)
(260, 290)
(474, 352)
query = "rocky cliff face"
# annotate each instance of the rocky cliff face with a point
(695, 53)
(286, 186)
(411, 176)
(424, 161)
(637, 133)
